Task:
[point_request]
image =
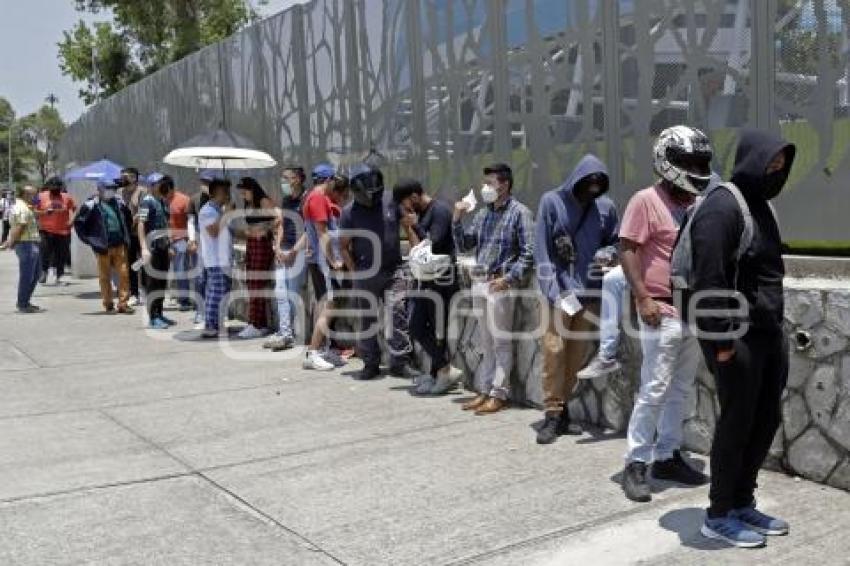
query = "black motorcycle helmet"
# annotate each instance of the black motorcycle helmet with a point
(367, 184)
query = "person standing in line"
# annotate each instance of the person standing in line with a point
(289, 277)
(7, 204)
(25, 240)
(751, 371)
(575, 224)
(502, 236)
(682, 160)
(55, 210)
(426, 218)
(103, 223)
(261, 216)
(132, 193)
(156, 247)
(216, 245)
(194, 258)
(178, 223)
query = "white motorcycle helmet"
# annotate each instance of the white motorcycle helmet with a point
(427, 266)
(682, 156)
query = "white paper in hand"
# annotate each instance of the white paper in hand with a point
(570, 304)
(470, 200)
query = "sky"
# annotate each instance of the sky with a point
(29, 68)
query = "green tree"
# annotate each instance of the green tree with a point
(42, 131)
(20, 145)
(143, 37)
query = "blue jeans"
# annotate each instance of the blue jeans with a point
(614, 287)
(288, 284)
(29, 263)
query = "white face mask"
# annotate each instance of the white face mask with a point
(286, 188)
(489, 194)
(108, 194)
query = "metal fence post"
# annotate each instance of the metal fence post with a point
(352, 75)
(418, 125)
(499, 118)
(763, 64)
(609, 14)
(302, 97)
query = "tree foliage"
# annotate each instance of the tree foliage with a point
(34, 140)
(143, 37)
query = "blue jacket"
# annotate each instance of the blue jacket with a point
(91, 228)
(559, 214)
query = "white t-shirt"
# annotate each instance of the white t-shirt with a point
(215, 251)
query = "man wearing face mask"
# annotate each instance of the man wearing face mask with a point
(55, 210)
(156, 247)
(132, 193)
(502, 236)
(750, 371)
(289, 276)
(374, 210)
(104, 224)
(574, 222)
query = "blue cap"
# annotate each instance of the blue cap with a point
(104, 184)
(154, 178)
(323, 171)
(207, 175)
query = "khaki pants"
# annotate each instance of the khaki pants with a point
(115, 258)
(564, 356)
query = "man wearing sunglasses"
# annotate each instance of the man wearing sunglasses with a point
(574, 223)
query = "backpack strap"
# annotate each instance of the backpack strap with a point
(747, 233)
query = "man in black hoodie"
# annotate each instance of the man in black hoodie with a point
(750, 371)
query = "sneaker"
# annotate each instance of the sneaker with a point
(199, 322)
(168, 321)
(251, 332)
(333, 358)
(566, 426)
(184, 307)
(424, 384)
(126, 310)
(761, 523)
(158, 324)
(209, 333)
(29, 309)
(635, 484)
(448, 378)
(134, 301)
(548, 433)
(367, 373)
(599, 367)
(61, 282)
(315, 361)
(278, 343)
(405, 371)
(42, 278)
(110, 309)
(733, 531)
(677, 470)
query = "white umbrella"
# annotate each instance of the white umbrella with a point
(220, 149)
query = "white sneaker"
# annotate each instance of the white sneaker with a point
(250, 332)
(315, 361)
(447, 379)
(424, 384)
(599, 367)
(134, 302)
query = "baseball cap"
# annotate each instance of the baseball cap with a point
(323, 171)
(103, 184)
(154, 178)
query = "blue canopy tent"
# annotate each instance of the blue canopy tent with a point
(103, 169)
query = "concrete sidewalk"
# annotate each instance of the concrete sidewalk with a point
(122, 447)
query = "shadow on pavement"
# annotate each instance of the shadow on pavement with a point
(88, 295)
(686, 523)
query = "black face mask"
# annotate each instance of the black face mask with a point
(369, 199)
(773, 184)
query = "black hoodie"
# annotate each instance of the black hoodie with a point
(716, 235)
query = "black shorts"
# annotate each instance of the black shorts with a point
(321, 281)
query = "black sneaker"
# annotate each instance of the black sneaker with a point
(565, 426)
(367, 373)
(405, 371)
(677, 470)
(634, 482)
(548, 433)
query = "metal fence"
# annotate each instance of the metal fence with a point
(440, 87)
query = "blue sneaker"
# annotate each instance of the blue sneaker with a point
(167, 321)
(159, 324)
(761, 523)
(733, 531)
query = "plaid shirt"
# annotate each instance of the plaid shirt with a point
(503, 240)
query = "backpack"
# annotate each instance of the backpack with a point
(681, 260)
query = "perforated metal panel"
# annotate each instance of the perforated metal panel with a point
(440, 87)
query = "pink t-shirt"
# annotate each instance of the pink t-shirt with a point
(650, 221)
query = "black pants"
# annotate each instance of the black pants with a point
(424, 323)
(387, 286)
(7, 227)
(55, 252)
(749, 387)
(156, 280)
(134, 251)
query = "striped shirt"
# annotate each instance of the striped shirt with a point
(503, 240)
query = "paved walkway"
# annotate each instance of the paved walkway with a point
(120, 447)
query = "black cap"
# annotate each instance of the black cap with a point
(496, 168)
